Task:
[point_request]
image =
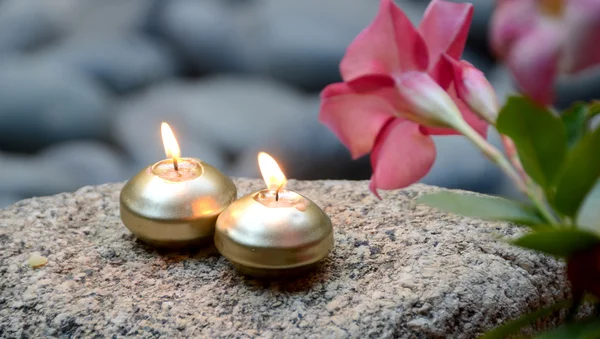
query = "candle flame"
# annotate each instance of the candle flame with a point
(169, 141)
(272, 174)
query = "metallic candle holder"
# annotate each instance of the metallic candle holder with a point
(273, 233)
(175, 202)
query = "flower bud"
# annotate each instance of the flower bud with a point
(475, 90)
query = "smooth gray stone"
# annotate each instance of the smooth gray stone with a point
(459, 164)
(583, 86)
(7, 199)
(228, 114)
(227, 120)
(44, 103)
(28, 24)
(204, 32)
(305, 149)
(304, 41)
(397, 270)
(503, 82)
(62, 167)
(122, 63)
(91, 19)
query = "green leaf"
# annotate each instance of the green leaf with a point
(594, 108)
(575, 119)
(558, 242)
(481, 206)
(540, 138)
(588, 217)
(514, 326)
(589, 329)
(581, 172)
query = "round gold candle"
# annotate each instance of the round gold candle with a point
(175, 202)
(273, 233)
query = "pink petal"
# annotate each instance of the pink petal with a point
(479, 125)
(442, 73)
(371, 82)
(402, 155)
(445, 27)
(511, 20)
(534, 62)
(379, 85)
(582, 45)
(355, 118)
(389, 44)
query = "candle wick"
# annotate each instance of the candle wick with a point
(277, 192)
(175, 165)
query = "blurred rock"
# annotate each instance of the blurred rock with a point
(307, 150)
(62, 167)
(233, 112)
(204, 32)
(480, 25)
(503, 82)
(137, 127)
(44, 103)
(122, 63)
(300, 42)
(459, 164)
(305, 40)
(8, 199)
(227, 120)
(27, 24)
(239, 112)
(107, 18)
(582, 86)
(478, 59)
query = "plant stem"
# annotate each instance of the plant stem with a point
(498, 158)
(542, 208)
(513, 157)
(533, 191)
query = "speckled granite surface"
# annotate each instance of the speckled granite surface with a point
(397, 270)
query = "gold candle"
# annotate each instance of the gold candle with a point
(274, 232)
(175, 202)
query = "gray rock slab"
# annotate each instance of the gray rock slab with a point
(397, 270)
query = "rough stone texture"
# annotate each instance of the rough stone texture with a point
(397, 270)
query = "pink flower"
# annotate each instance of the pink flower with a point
(541, 39)
(398, 90)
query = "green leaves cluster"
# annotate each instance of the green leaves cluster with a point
(561, 155)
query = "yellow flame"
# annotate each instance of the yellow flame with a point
(272, 174)
(169, 141)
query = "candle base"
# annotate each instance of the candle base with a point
(273, 241)
(265, 273)
(176, 214)
(168, 235)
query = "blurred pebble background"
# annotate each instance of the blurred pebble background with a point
(84, 85)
